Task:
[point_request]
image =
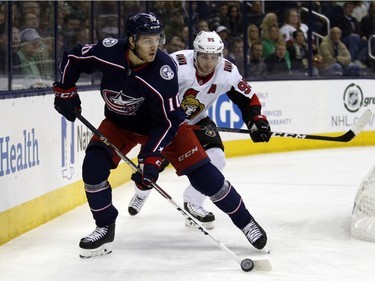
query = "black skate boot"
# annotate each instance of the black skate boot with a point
(98, 243)
(255, 234)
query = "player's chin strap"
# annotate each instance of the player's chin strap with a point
(349, 135)
(248, 264)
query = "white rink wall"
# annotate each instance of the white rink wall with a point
(42, 153)
(309, 107)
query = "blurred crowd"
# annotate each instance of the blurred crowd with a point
(263, 38)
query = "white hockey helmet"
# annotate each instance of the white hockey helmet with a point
(208, 42)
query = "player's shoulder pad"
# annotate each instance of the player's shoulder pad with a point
(108, 49)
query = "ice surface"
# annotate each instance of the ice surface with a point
(302, 199)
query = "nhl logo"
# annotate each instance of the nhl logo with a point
(353, 98)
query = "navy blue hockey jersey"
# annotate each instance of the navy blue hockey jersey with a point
(143, 100)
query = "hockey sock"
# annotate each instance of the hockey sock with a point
(99, 197)
(95, 172)
(229, 201)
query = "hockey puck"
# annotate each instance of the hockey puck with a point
(247, 265)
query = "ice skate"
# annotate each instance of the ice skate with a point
(199, 213)
(136, 203)
(255, 234)
(98, 243)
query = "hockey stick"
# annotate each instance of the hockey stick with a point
(349, 135)
(246, 264)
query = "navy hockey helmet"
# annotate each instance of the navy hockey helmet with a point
(144, 23)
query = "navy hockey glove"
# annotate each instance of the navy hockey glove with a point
(260, 130)
(150, 166)
(66, 100)
(137, 177)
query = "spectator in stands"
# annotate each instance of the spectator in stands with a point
(270, 38)
(72, 27)
(336, 55)
(32, 7)
(269, 20)
(255, 14)
(234, 21)
(253, 34)
(292, 23)
(184, 34)
(160, 10)
(220, 14)
(174, 44)
(257, 68)
(202, 25)
(368, 29)
(204, 9)
(46, 28)
(236, 49)
(299, 54)
(368, 21)
(16, 15)
(276, 62)
(360, 9)
(224, 34)
(352, 35)
(331, 9)
(31, 21)
(176, 20)
(4, 52)
(35, 59)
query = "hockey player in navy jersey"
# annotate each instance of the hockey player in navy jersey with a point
(140, 89)
(203, 76)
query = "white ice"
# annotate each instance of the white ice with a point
(303, 200)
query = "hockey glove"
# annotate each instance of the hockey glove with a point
(150, 167)
(66, 100)
(260, 130)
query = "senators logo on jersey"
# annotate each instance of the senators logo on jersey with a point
(191, 105)
(121, 103)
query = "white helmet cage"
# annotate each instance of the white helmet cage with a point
(208, 42)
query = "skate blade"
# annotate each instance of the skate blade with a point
(207, 225)
(105, 249)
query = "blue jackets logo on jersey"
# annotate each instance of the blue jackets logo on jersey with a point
(166, 72)
(109, 42)
(121, 103)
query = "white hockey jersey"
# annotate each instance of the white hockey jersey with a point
(197, 94)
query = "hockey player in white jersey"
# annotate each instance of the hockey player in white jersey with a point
(203, 76)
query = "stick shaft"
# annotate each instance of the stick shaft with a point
(349, 135)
